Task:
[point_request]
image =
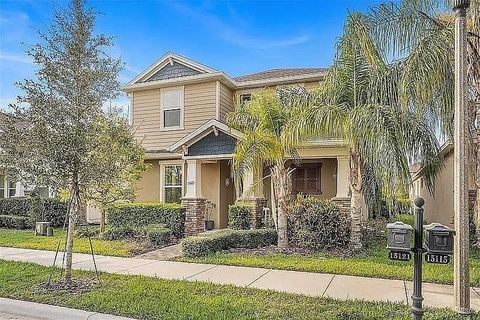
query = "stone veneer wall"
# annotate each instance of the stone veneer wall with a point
(257, 204)
(194, 215)
(344, 204)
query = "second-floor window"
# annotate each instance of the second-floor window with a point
(3, 183)
(245, 97)
(171, 101)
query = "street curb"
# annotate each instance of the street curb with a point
(38, 311)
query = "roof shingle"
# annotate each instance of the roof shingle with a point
(280, 73)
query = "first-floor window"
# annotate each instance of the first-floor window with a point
(12, 188)
(172, 184)
(307, 179)
(3, 184)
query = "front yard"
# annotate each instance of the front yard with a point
(151, 298)
(27, 239)
(372, 262)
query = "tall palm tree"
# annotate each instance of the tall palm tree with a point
(359, 102)
(420, 35)
(265, 121)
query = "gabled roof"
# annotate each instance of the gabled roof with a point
(186, 71)
(202, 131)
(170, 58)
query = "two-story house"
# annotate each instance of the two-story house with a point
(178, 109)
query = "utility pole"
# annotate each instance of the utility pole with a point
(461, 221)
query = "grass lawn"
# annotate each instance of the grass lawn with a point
(151, 298)
(27, 239)
(373, 262)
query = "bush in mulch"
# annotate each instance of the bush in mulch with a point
(317, 224)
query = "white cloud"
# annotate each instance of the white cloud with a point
(16, 58)
(235, 35)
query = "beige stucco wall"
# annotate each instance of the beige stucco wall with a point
(148, 187)
(227, 193)
(329, 183)
(199, 107)
(439, 206)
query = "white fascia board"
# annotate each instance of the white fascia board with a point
(279, 81)
(180, 81)
(165, 59)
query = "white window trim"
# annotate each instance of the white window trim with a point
(5, 186)
(164, 164)
(182, 107)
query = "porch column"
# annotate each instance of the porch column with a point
(193, 202)
(342, 198)
(252, 193)
(343, 172)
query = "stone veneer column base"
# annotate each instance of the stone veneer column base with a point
(194, 215)
(257, 204)
(344, 204)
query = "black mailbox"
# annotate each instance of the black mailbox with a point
(399, 235)
(438, 239)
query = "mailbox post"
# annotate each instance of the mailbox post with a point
(438, 245)
(417, 299)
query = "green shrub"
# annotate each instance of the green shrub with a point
(159, 235)
(228, 239)
(36, 209)
(143, 214)
(87, 231)
(316, 224)
(15, 222)
(405, 218)
(239, 216)
(122, 233)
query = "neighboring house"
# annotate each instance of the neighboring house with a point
(9, 188)
(439, 205)
(178, 109)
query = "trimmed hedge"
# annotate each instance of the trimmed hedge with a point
(53, 210)
(142, 214)
(159, 235)
(16, 222)
(239, 216)
(316, 224)
(204, 245)
(122, 233)
(87, 231)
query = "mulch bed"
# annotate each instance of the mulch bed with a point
(74, 286)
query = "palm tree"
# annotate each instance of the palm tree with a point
(360, 103)
(265, 121)
(420, 36)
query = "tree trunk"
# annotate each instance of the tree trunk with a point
(282, 183)
(102, 220)
(357, 201)
(72, 218)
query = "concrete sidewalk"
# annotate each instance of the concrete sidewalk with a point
(23, 310)
(311, 284)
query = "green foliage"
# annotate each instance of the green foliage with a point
(316, 224)
(28, 240)
(15, 222)
(182, 300)
(35, 209)
(239, 216)
(405, 218)
(87, 232)
(227, 239)
(123, 233)
(473, 231)
(142, 214)
(159, 235)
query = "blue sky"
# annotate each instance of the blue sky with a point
(237, 37)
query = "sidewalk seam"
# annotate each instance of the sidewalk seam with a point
(196, 274)
(141, 265)
(248, 285)
(328, 285)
